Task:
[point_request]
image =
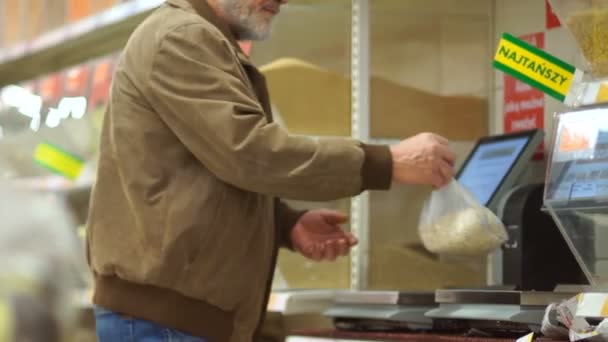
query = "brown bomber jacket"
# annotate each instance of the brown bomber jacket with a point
(185, 219)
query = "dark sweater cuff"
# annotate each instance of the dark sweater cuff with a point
(286, 219)
(377, 171)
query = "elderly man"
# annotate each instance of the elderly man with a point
(187, 213)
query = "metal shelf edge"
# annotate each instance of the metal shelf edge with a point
(76, 43)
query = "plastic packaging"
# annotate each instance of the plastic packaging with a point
(454, 223)
(569, 319)
(552, 325)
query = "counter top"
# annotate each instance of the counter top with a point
(336, 335)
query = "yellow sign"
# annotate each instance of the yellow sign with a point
(534, 67)
(58, 160)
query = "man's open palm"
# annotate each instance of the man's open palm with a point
(318, 235)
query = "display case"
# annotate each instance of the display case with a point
(576, 192)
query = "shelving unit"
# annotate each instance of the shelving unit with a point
(72, 44)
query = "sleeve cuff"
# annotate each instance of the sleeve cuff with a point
(377, 170)
(286, 219)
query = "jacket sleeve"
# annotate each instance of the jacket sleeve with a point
(197, 88)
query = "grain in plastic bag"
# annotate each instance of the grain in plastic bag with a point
(453, 222)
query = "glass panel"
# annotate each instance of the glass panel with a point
(430, 65)
(576, 193)
(307, 65)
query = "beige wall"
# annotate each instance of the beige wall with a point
(432, 45)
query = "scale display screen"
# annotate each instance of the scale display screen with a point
(493, 160)
(579, 169)
(488, 166)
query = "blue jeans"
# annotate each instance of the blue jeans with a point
(113, 327)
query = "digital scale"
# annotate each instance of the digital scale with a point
(497, 311)
(383, 310)
(489, 173)
(557, 237)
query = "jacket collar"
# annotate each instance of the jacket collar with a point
(202, 8)
(256, 79)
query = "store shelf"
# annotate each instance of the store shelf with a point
(92, 37)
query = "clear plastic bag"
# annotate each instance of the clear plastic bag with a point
(454, 223)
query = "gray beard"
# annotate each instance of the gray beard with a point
(243, 23)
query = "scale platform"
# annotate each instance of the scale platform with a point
(385, 311)
(496, 310)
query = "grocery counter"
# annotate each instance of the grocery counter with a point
(335, 336)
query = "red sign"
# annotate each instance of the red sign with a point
(50, 88)
(524, 106)
(552, 21)
(100, 88)
(77, 80)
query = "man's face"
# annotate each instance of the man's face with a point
(250, 19)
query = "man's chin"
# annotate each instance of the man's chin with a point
(255, 34)
(262, 36)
